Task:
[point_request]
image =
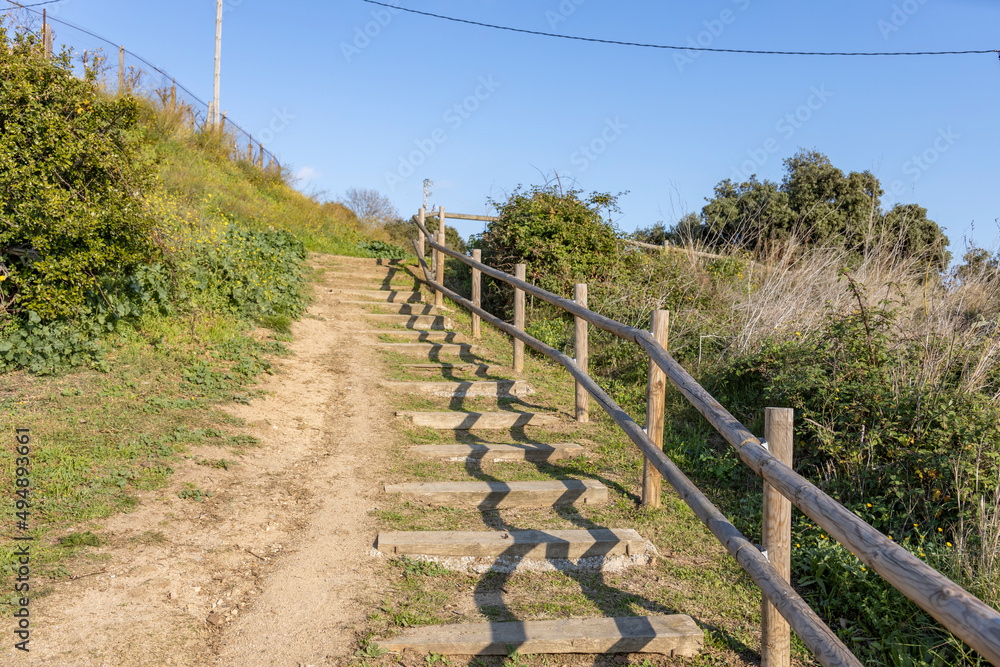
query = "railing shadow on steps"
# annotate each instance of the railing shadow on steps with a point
(964, 615)
(592, 585)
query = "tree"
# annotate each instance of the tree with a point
(372, 208)
(979, 264)
(914, 235)
(747, 215)
(820, 206)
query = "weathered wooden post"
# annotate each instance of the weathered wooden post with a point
(477, 293)
(422, 217)
(173, 97)
(656, 396)
(439, 276)
(520, 271)
(775, 636)
(581, 343)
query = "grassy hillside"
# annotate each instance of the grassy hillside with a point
(129, 371)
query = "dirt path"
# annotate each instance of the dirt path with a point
(274, 568)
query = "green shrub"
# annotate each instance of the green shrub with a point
(380, 250)
(73, 170)
(563, 240)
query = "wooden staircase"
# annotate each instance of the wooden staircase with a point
(389, 292)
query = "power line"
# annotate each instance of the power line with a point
(37, 4)
(679, 48)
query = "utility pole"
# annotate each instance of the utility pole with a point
(218, 60)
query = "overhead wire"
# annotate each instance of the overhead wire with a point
(679, 48)
(37, 4)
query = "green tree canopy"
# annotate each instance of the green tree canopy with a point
(821, 206)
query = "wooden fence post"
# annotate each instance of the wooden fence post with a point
(656, 396)
(121, 71)
(422, 216)
(775, 635)
(520, 270)
(439, 274)
(581, 343)
(173, 94)
(477, 293)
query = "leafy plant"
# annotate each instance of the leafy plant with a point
(380, 250)
(559, 236)
(192, 492)
(73, 169)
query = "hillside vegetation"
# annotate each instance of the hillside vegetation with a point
(145, 277)
(892, 366)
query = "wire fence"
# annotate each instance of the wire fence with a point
(119, 71)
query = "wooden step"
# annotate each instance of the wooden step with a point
(370, 273)
(492, 495)
(373, 286)
(423, 322)
(402, 308)
(429, 348)
(475, 369)
(497, 453)
(462, 421)
(368, 261)
(423, 336)
(535, 544)
(676, 635)
(497, 389)
(379, 295)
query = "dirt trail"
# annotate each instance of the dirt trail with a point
(274, 568)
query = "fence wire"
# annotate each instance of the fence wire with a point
(121, 71)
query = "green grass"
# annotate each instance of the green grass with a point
(100, 438)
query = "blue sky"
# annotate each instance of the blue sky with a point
(371, 98)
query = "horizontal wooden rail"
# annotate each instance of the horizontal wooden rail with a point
(462, 216)
(977, 624)
(824, 644)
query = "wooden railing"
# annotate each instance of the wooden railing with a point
(967, 617)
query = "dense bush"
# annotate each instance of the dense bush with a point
(562, 239)
(91, 236)
(73, 171)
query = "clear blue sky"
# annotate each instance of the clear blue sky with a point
(380, 111)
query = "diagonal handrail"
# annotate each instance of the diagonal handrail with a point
(967, 617)
(824, 644)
